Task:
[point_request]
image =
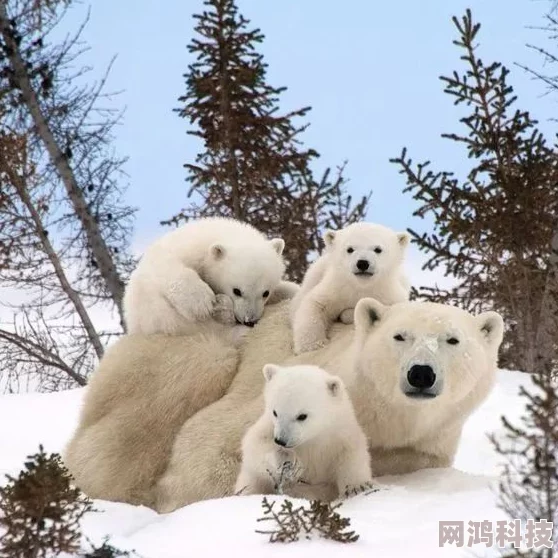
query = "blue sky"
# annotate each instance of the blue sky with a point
(369, 70)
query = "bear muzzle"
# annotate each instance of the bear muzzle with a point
(363, 268)
(420, 381)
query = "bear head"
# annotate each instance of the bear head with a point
(365, 251)
(424, 353)
(302, 402)
(248, 273)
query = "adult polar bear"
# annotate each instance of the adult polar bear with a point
(414, 371)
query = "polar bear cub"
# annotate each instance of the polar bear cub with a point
(361, 260)
(212, 267)
(307, 443)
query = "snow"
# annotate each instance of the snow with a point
(399, 521)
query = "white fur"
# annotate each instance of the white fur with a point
(333, 284)
(164, 416)
(189, 275)
(307, 443)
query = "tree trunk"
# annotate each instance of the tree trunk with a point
(58, 270)
(547, 331)
(97, 245)
(232, 163)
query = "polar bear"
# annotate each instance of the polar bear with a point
(131, 415)
(212, 267)
(414, 371)
(307, 443)
(361, 260)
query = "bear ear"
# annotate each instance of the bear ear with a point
(278, 245)
(492, 327)
(368, 313)
(269, 370)
(403, 238)
(329, 237)
(334, 386)
(217, 251)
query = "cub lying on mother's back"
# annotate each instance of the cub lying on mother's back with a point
(307, 443)
(211, 267)
(361, 260)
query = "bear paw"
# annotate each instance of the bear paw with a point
(287, 472)
(367, 487)
(310, 346)
(239, 333)
(223, 310)
(347, 317)
(193, 303)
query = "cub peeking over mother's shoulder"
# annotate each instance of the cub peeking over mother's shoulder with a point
(362, 260)
(209, 268)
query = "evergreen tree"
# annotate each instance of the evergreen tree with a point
(253, 166)
(497, 234)
(528, 487)
(492, 230)
(529, 483)
(40, 511)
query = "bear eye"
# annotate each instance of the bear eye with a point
(378, 250)
(302, 417)
(350, 250)
(399, 337)
(275, 414)
(237, 292)
(453, 341)
(265, 294)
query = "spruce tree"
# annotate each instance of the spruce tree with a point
(40, 511)
(497, 234)
(253, 166)
(493, 229)
(528, 486)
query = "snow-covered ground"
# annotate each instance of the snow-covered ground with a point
(400, 521)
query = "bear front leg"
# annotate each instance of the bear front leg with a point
(284, 291)
(258, 458)
(354, 475)
(223, 310)
(310, 326)
(191, 297)
(272, 474)
(252, 482)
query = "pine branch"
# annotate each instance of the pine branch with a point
(319, 518)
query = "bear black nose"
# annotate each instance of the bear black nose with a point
(421, 376)
(280, 442)
(250, 324)
(363, 265)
